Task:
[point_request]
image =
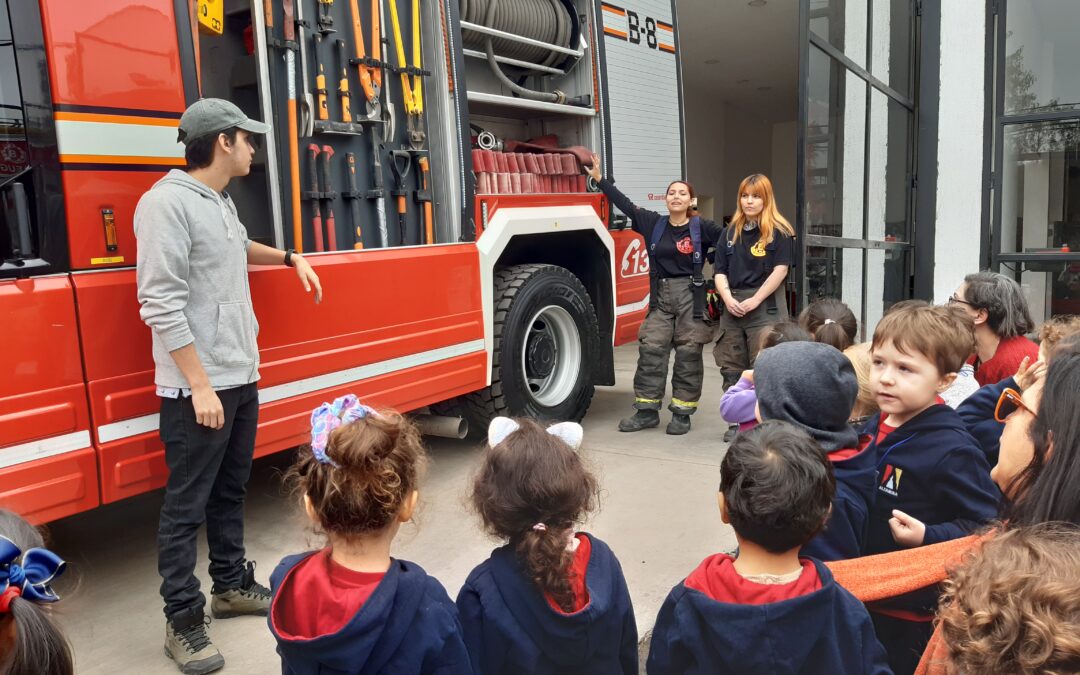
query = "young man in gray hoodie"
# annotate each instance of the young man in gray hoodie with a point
(193, 290)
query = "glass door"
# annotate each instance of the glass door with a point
(855, 180)
(1035, 228)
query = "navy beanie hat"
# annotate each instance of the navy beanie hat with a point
(811, 385)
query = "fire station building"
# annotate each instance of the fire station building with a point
(914, 141)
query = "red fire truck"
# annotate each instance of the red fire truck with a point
(466, 266)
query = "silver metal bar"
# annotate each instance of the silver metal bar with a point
(477, 28)
(258, 30)
(526, 104)
(514, 62)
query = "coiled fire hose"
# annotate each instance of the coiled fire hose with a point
(543, 20)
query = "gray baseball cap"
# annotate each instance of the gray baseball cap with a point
(214, 115)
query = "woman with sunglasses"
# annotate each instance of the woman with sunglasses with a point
(999, 309)
(1038, 471)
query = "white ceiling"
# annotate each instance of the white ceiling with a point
(759, 44)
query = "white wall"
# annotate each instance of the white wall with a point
(747, 150)
(704, 144)
(960, 144)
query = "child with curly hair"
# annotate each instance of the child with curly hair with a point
(1014, 608)
(359, 483)
(552, 599)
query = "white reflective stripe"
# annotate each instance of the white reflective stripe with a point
(125, 428)
(76, 137)
(43, 447)
(146, 423)
(632, 307)
(308, 385)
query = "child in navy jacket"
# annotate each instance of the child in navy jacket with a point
(350, 607)
(767, 610)
(933, 480)
(814, 387)
(550, 600)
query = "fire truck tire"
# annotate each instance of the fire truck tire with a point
(545, 336)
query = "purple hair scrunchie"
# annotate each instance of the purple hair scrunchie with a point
(330, 416)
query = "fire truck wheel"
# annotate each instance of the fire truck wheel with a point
(545, 337)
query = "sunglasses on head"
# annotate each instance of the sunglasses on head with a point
(1008, 403)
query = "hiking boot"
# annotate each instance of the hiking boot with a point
(187, 643)
(678, 425)
(251, 598)
(729, 435)
(642, 419)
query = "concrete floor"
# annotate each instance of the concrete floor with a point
(658, 513)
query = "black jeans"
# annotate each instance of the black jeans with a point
(208, 475)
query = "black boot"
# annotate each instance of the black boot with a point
(729, 435)
(642, 419)
(679, 424)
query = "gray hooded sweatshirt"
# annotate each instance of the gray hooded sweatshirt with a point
(193, 281)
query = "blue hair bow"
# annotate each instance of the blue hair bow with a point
(33, 575)
(330, 416)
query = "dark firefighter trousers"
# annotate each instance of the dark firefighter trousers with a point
(669, 324)
(739, 337)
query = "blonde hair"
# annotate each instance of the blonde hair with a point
(770, 220)
(866, 402)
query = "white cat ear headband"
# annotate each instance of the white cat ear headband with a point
(570, 433)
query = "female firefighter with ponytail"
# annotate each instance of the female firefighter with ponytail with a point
(677, 244)
(751, 264)
(552, 599)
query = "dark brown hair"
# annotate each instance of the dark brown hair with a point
(534, 477)
(1014, 607)
(380, 461)
(831, 322)
(783, 331)
(40, 647)
(944, 335)
(778, 486)
(1046, 489)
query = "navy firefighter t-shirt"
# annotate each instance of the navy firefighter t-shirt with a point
(674, 255)
(746, 264)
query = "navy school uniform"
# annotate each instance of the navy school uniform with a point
(510, 627)
(825, 631)
(977, 412)
(407, 626)
(845, 532)
(931, 469)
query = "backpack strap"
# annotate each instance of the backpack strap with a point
(697, 280)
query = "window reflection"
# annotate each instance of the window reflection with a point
(1040, 187)
(14, 155)
(841, 23)
(1041, 53)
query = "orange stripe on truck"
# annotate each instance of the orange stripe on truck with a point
(116, 119)
(121, 159)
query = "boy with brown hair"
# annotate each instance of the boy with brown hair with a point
(933, 480)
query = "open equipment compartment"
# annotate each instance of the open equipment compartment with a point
(530, 71)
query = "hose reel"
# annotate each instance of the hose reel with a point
(533, 37)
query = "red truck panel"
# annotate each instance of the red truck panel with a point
(105, 54)
(631, 284)
(383, 311)
(86, 193)
(47, 467)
